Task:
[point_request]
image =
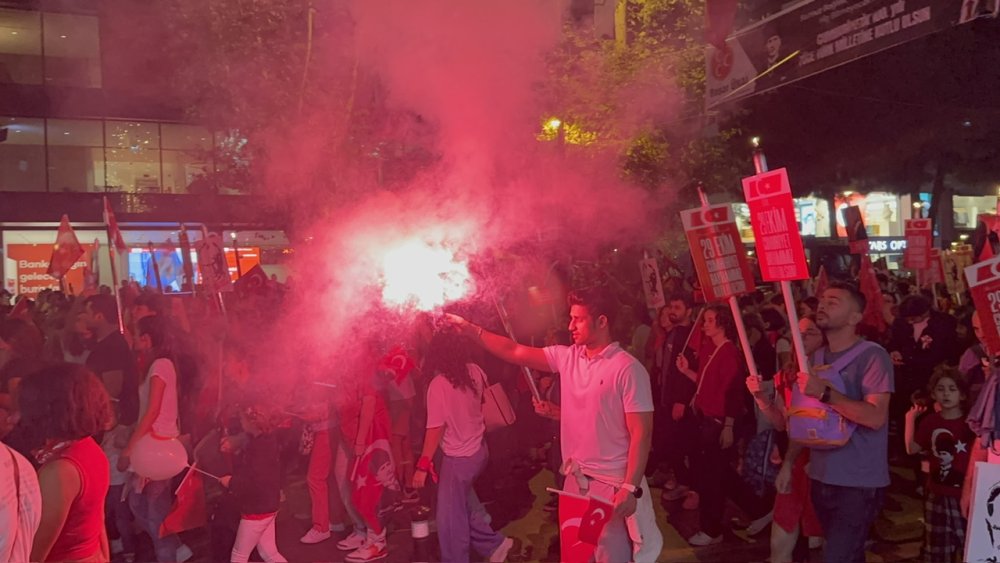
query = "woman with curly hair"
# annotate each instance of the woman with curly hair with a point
(455, 422)
(62, 407)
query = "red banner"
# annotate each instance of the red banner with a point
(772, 216)
(984, 284)
(917, 255)
(936, 272)
(717, 252)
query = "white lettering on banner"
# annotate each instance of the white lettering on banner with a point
(715, 247)
(772, 222)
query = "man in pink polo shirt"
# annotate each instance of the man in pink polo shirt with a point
(606, 419)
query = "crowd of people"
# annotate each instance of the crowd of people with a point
(633, 400)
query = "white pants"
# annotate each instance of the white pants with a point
(259, 533)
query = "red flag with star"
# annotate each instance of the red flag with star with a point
(112, 223)
(65, 252)
(581, 522)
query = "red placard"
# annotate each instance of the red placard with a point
(984, 284)
(772, 216)
(935, 274)
(717, 251)
(917, 255)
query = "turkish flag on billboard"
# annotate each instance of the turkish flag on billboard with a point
(581, 523)
(917, 255)
(857, 235)
(188, 511)
(717, 251)
(984, 284)
(772, 216)
(65, 252)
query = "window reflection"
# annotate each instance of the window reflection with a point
(72, 51)
(76, 155)
(22, 155)
(20, 47)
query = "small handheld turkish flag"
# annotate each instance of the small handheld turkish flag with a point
(597, 516)
(189, 510)
(65, 252)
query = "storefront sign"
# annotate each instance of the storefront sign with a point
(811, 37)
(717, 251)
(30, 263)
(918, 244)
(886, 245)
(984, 284)
(772, 216)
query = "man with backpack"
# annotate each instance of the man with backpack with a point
(849, 480)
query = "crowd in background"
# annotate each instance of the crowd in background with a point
(181, 369)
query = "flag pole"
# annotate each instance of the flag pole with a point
(156, 267)
(505, 319)
(114, 265)
(760, 166)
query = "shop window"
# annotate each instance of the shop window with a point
(133, 156)
(76, 155)
(186, 155)
(22, 155)
(20, 47)
(72, 51)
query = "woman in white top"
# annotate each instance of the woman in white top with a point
(20, 506)
(455, 422)
(158, 417)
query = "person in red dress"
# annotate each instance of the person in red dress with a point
(62, 407)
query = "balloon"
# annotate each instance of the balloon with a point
(157, 458)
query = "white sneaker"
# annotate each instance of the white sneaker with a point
(499, 554)
(815, 542)
(184, 553)
(370, 551)
(701, 539)
(758, 525)
(353, 541)
(315, 536)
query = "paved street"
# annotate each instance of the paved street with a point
(518, 508)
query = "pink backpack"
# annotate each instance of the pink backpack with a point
(814, 423)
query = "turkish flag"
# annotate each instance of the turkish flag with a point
(65, 252)
(113, 232)
(399, 362)
(597, 516)
(720, 16)
(188, 511)
(868, 284)
(571, 511)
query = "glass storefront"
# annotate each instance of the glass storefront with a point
(92, 155)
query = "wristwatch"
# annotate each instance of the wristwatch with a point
(636, 491)
(825, 397)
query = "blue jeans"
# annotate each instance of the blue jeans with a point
(118, 518)
(462, 521)
(150, 508)
(846, 514)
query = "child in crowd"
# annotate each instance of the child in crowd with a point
(256, 483)
(945, 438)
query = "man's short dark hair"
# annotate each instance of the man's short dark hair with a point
(597, 300)
(105, 305)
(152, 301)
(859, 298)
(682, 296)
(914, 306)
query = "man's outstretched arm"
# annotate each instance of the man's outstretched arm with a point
(501, 346)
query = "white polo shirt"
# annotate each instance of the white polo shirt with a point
(595, 395)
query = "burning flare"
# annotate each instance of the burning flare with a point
(424, 276)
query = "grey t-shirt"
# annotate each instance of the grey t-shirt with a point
(864, 460)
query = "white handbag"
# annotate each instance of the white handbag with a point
(497, 410)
